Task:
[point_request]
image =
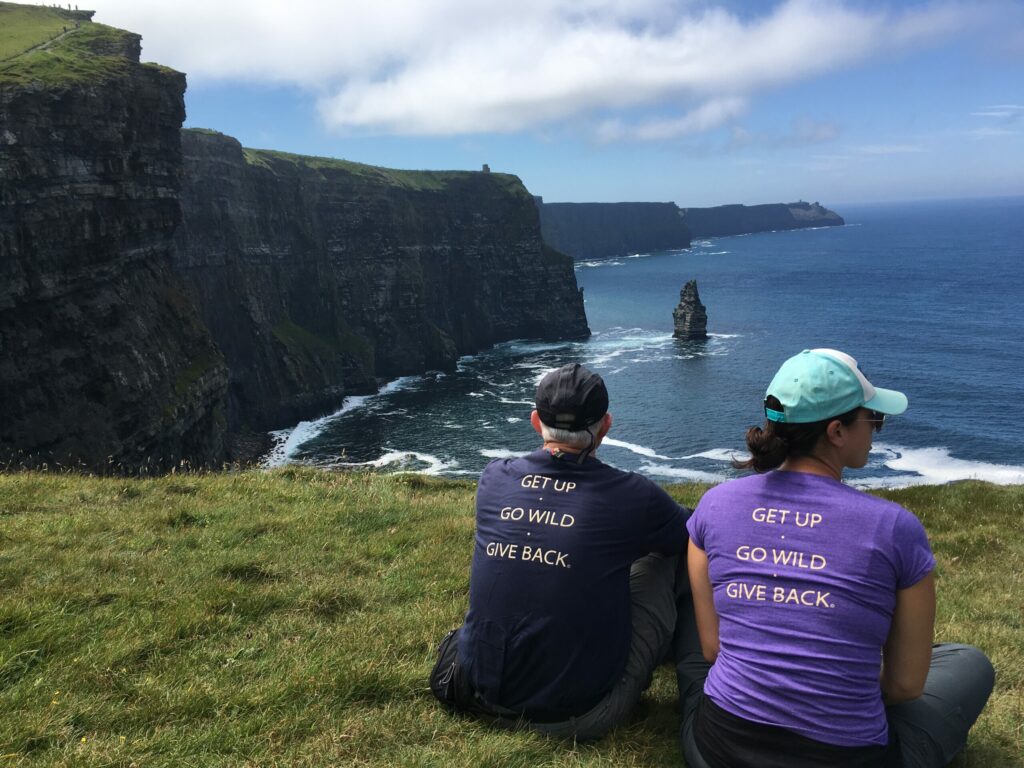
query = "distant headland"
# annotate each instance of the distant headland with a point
(601, 230)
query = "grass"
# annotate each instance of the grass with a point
(25, 26)
(304, 343)
(290, 618)
(77, 57)
(413, 180)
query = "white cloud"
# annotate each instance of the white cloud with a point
(707, 116)
(890, 149)
(1001, 111)
(986, 133)
(442, 67)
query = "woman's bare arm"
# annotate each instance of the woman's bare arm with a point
(908, 649)
(703, 601)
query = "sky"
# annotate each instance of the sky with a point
(699, 103)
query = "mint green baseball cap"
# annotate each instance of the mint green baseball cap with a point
(819, 384)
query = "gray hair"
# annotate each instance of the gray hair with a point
(578, 439)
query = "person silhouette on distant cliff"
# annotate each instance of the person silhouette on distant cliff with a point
(572, 592)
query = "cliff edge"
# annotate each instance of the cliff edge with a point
(104, 361)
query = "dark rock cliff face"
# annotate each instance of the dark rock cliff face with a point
(743, 219)
(103, 359)
(600, 230)
(318, 277)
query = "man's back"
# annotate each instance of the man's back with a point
(548, 628)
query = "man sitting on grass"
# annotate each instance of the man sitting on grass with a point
(572, 588)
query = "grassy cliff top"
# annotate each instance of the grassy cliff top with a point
(25, 26)
(291, 618)
(416, 180)
(53, 47)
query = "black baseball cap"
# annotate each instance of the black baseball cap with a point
(571, 397)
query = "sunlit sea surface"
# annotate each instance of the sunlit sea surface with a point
(927, 296)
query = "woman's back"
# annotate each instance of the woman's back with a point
(805, 573)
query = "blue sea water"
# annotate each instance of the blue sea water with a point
(927, 296)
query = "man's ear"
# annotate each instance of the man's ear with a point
(606, 426)
(535, 421)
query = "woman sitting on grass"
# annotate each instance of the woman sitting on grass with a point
(815, 602)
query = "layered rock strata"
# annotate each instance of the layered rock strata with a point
(104, 362)
(319, 277)
(690, 317)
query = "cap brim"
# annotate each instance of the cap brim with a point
(887, 401)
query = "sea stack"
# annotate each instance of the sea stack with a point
(691, 317)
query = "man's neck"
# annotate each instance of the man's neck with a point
(554, 447)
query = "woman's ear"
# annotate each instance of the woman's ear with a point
(835, 432)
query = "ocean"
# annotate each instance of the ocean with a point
(926, 295)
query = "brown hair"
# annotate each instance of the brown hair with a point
(777, 441)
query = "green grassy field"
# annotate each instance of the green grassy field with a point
(290, 618)
(83, 55)
(25, 26)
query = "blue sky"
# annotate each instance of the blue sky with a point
(700, 103)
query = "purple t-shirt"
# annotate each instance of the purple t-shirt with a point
(805, 572)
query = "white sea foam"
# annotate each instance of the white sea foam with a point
(934, 466)
(718, 454)
(717, 253)
(637, 449)
(506, 401)
(288, 441)
(512, 419)
(501, 453)
(724, 335)
(402, 382)
(405, 460)
(680, 473)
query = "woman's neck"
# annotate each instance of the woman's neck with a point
(813, 465)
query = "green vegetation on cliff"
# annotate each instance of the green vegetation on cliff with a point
(415, 180)
(290, 618)
(26, 26)
(44, 45)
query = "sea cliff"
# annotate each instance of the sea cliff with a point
(103, 359)
(155, 304)
(317, 277)
(600, 230)
(725, 220)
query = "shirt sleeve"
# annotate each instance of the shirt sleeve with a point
(695, 525)
(913, 556)
(667, 522)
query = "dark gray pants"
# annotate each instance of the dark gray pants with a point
(652, 585)
(932, 729)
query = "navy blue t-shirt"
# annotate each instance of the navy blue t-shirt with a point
(548, 628)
